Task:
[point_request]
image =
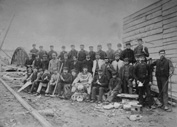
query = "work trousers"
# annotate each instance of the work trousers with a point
(50, 88)
(99, 90)
(162, 83)
(64, 88)
(145, 90)
(112, 95)
(40, 86)
(127, 86)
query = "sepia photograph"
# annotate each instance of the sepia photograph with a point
(88, 63)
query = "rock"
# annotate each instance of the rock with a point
(127, 107)
(135, 117)
(110, 106)
(117, 105)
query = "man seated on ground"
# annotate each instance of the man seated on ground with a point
(100, 86)
(37, 62)
(64, 84)
(83, 82)
(52, 83)
(36, 81)
(114, 87)
(126, 75)
(54, 63)
(44, 81)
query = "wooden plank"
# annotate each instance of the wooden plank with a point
(170, 46)
(34, 112)
(170, 25)
(140, 12)
(174, 14)
(143, 14)
(167, 40)
(170, 20)
(146, 34)
(144, 29)
(144, 24)
(170, 30)
(173, 34)
(143, 19)
(169, 11)
(169, 5)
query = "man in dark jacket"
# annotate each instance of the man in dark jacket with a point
(51, 52)
(110, 52)
(66, 62)
(45, 62)
(92, 53)
(82, 54)
(89, 63)
(141, 49)
(101, 52)
(34, 51)
(29, 62)
(164, 69)
(128, 53)
(37, 62)
(41, 52)
(127, 76)
(100, 85)
(72, 53)
(75, 64)
(142, 74)
(62, 53)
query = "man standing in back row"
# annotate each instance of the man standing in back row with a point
(164, 69)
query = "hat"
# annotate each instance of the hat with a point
(45, 55)
(106, 57)
(65, 68)
(140, 39)
(126, 60)
(40, 69)
(100, 70)
(138, 55)
(117, 54)
(162, 50)
(90, 46)
(87, 55)
(119, 45)
(81, 45)
(72, 45)
(40, 46)
(34, 45)
(74, 70)
(114, 73)
(63, 47)
(85, 66)
(99, 45)
(51, 46)
(109, 44)
(128, 43)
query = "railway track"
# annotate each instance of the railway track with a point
(16, 112)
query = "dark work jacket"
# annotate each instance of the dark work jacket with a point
(82, 55)
(67, 77)
(34, 76)
(46, 78)
(44, 64)
(89, 64)
(115, 84)
(37, 63)
(142, 71)
(92, 55)
(61, 55)
(122, 72)
(66, 63)
(72, 53)
(28, 62)
(103, 80)
(128, 53)
(139, 51)
(163, 67)
(77, 66)
(102, 54)
(41, 54)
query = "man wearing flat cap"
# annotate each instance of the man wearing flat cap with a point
(51, 52)
(164, 69)
(62, 53)
(110, 52)
(34, 51)
(82, 54)
(41, 52)
(128, 53)
(72, 52)
(91, 53)
(141, 49)
(101, 52)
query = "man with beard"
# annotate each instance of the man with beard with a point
(164, 69)
(72, 53)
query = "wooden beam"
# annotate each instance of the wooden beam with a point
(34, 112)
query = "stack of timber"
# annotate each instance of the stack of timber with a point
(156, 24)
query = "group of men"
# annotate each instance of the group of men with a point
(101, 73)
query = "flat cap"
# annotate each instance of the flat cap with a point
(162, 50)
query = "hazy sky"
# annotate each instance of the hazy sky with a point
(65, 22)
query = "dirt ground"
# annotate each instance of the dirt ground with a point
(81, 114)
